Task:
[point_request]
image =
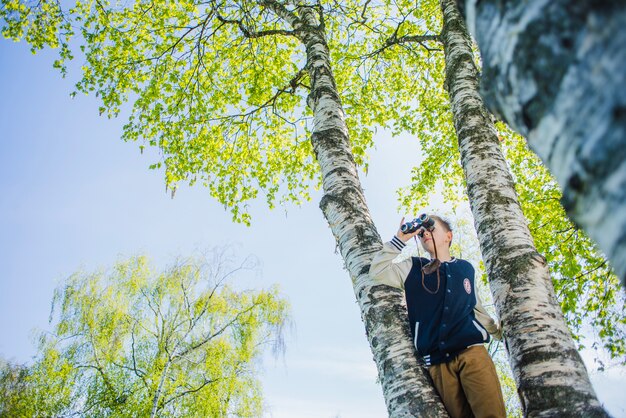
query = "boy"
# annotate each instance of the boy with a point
(448, 322)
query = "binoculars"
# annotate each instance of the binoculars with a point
(422, 221)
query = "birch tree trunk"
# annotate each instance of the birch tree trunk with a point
(550, 375)
(406, 386)
(554, 71)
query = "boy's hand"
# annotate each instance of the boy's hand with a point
(406, 237)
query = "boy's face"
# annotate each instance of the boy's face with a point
(441, 237)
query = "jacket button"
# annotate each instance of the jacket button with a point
(449, 291)
(447, 354)
(442, 343)
(446, 308)
(443, 325)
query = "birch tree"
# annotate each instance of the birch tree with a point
(554, 73)
(539, 344)
(344, 206)
(135, 342)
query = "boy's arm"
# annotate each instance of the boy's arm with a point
(384, 271)
(494, 328)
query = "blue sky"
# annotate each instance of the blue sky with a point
(74, 196)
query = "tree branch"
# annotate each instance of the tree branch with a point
(138, 372)
(285, 14)
(254, 34)
(215, 334)
(206, 382)
(407, 39)
(418, 38)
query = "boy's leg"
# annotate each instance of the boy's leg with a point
(446, 380)
(480, 383)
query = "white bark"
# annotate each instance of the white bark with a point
(406, 386)
(554, 71)
(157, 394)
(550, 375)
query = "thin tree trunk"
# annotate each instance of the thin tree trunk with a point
(554, 71)
(406, 386)
(550, 375)
(157, 394)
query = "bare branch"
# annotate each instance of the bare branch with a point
(363, 18)
(419, 39)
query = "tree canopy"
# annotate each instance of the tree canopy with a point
(131, 341)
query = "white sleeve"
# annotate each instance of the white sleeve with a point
(384, 270)
(492, 326)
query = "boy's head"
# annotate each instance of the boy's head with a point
(442, 235)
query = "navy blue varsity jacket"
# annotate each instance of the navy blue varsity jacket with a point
(445, 317)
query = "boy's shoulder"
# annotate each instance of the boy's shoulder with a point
(463, 261)
(465, 265)
(420, 260)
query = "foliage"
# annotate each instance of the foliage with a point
(135, 342)
(220, 88)
(238, 136)
(245, 136)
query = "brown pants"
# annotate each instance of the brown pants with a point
(469, 385)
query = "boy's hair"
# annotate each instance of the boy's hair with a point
(445, 223)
